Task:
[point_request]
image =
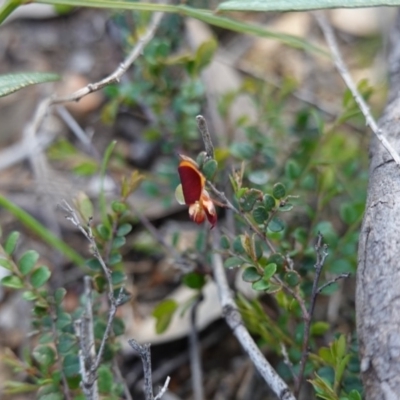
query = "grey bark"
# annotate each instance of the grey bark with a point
(378, 275)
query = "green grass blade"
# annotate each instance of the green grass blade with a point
(203, 15)
(7, 8)
(10, 83)
(299, 5)
(46, 235)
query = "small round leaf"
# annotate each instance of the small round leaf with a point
(251, 274)
(279, 190)
(27, 262)
(40, 276)
(12, 281)
(269, 202)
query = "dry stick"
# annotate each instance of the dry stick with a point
(144, 353)
(343, 71)
(322, 253)
(234, 320)
(95, 360)
(43, 107)
(335, 279)
(195, 359)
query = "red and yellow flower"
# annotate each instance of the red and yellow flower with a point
(192, 192)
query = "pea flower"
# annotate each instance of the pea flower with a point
(192, 193)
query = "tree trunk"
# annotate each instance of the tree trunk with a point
(378, 275)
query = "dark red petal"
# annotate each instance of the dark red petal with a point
(192, 181)
(209, 208)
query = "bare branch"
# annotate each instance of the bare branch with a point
(343, 71)
(195, 359)
(34, 125)
(145, 356)
(335, 279)
(234, 320)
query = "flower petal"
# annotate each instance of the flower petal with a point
(192, 181)
(209, 208)
(197, 213)
(179, 195)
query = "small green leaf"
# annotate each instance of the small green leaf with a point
(292, 278)
(11, 242)
(124, 229)
(104, 231)
(71, 365)
(285, 207)
(6, 264)
(269, 271)
(273, 288)
(209, 169)
(163, 314)
(40, 276)
(94, 264)
(64, 320)
(29, 295)
(27, 262)
(194, 280)
(204, 54)
(260, 215)
(114, 259)
(84, 206)
(233, 262)
(319, 328)
(279, 191)
(249, 198)
(65, 342)
(276, 225)
(277, 259)
(105, 379)
(59, 295)
(224, 242)
(117, 278)
(118, 207)
(118, 242)
(269, 202)
(260, 285)
(251, 274)
(167, 306)
(10, 83)
(12, 281)
(44, 355)
(237, 245)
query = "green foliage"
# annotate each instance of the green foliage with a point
(58, 345)
(11, 83)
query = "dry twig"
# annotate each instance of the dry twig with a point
(344, 72)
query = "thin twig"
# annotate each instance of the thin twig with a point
(335, 279)
(118, 374)
(321, 250)
(194, 348)
(145, 356)
(34, 125)
(343, 71)
(95, 359)
(234, 320)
